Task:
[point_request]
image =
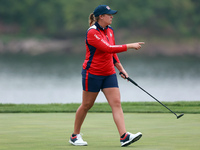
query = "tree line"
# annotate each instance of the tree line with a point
(69, 18)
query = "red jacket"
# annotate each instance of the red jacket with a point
(101, 51)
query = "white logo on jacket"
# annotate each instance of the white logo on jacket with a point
(98, 38)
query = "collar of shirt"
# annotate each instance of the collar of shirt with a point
(100, 27)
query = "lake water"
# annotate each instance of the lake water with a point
(56, 78)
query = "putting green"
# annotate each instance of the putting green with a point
(50, 131)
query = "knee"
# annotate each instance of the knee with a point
(87, 106)
(116, 103)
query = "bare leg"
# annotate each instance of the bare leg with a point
(113, 97)
(87, 103)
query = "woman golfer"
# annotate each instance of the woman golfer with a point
(99, 73)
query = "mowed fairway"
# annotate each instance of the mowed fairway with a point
(51, 131)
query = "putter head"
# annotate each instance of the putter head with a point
(180, 116)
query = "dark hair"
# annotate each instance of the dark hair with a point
(92, 19)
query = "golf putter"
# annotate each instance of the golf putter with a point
(129, 79)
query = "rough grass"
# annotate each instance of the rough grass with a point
(128, 107)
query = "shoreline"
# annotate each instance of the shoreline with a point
(152, 47)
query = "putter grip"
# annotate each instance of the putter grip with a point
(129, 79)
(132, 81)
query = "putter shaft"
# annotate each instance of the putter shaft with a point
(129, 79)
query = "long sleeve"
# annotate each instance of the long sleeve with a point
(95, 39)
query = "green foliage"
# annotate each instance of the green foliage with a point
(32, 15)
(64, 18)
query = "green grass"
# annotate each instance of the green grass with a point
(51, 131)
(128, 107)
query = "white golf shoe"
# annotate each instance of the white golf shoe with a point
(130, 138)
(77, 140)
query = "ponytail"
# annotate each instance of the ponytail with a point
(91, 19)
